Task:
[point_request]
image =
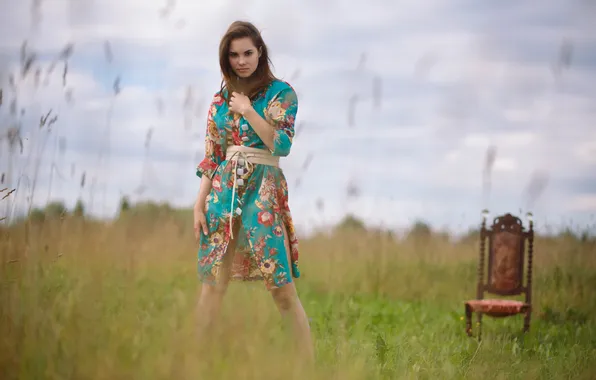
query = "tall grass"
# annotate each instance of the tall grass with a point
(88, 300)
(84, 299)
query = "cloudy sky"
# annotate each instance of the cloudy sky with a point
(398, 100)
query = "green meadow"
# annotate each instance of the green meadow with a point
(83, 299)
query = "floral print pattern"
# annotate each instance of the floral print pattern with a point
(261, 201)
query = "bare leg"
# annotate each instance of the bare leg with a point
(211, 297)
(290, 307)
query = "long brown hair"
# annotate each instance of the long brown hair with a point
(262, 76)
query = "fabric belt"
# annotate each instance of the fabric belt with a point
(245, 157)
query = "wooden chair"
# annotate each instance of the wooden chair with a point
(506, 250)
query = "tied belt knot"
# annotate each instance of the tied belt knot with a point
(243, 156)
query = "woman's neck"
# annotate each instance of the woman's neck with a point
(244, 84)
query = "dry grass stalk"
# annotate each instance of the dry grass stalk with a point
(7, 193)
(491, 155)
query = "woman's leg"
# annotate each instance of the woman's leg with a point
(211, 297)
(289, 305)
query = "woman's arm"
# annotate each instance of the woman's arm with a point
(276, 130)
(265, 130)
(214, 154)
(200, 224)
(204, 190)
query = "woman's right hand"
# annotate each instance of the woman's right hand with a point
(200, 223)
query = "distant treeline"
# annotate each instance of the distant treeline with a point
(152, 213)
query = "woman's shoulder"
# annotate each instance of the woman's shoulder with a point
(280, 89)
(218, 103)
(278, 85)
(219, 98)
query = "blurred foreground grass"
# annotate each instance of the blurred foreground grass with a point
(86, 300)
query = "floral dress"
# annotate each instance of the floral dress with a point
(260, 199)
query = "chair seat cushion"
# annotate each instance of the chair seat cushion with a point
(497, 307)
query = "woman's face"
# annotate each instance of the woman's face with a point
(244, 57)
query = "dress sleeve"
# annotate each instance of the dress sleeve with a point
(281, 113)
(214, 149)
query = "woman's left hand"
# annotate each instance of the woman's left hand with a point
(239, 103)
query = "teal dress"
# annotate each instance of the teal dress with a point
(260, 198)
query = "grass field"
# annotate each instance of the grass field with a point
(84, 300)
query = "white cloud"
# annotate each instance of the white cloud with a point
(582, 203)
(453, 84)
(586, 151)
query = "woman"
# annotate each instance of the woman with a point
(241, 217)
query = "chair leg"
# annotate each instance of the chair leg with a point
(527, 318)
(479, 323)
(468, 320)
